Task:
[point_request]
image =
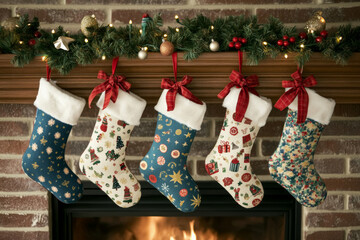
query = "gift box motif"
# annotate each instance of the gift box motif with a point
(247, 141)
(212, 167)
(224, 147)
(234, 165)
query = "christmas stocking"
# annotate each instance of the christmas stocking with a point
(164, 166)
(103, 161)
(43, 161)
(229, 161)
(292, 164)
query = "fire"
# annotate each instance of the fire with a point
(192, 233)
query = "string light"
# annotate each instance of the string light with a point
(43, 58)
(29, 24)
(140, 31)
(285, 55)
(264, 43)
(53, 31)
(177, 29)
(93, 16)
(165, 35)
(212, 27)
(322, 19)
(302, 45)
(21, 42)
(338, 39)
(130, 21)
(176, 17)
(16, 25)
(86, 40)
(68, 32)
(111, 25)
(17, 15)
(312, 31)
(145, 48)
(103, 57)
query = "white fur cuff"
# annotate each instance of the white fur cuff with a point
(320, 109)
(128, 107)
(59, 103)
(258, 109)
(186, 112)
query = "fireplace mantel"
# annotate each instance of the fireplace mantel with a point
(210, 74)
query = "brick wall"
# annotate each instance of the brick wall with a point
(24, 204)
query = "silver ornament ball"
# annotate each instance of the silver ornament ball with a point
(142, 54)
(214, 45)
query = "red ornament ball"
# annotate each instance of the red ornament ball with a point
(32, 42)
(286, 43)
(292, 39)
(244, 40)
(239, 39)
(145, 15)
(235, 39)
(280, 42)
(324, 33)
(237, 45)
(231, 44)
(285, 37)
(37, 34)
(319, 39)
(303, 35)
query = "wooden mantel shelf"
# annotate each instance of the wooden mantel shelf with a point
(210, 74)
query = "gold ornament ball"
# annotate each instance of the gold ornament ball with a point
(88, 21)
(142, 54)
(316, 23)
(10, 23)
(214, 46)
(166, 48)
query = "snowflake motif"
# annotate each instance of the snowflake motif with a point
(57, 135)
(123, 180)
(67, 195)
(54, 189)
(40, 130)
(66, 171)
(34, 146)
(51, 122)
(108, 144)
(165, 187)
(49, 150)
(41, 179)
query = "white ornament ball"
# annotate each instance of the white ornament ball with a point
(10, 23)
(142, 54)
(214, 45)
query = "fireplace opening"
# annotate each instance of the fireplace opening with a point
(219, 217)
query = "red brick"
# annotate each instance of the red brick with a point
(251, 1)
(271, 129)
(332, 202)
(215, 110)
(11, 166)
(76, 147)
(138, 148)
(326, 235)
(201, 148)
(354, 202)
(6, 235)
(355, 165)
(17, 110)
(302, 15)
(123, 16)
(205, 129)
(61, 15)
(19, 185)
(90, 112)
(145, 129)
(339, 146)
(353, 235)
(200, 168)
(13, 146)
(342, 184)
(334, 219)
(5, 13)
(268, 147)
(142, 2)
(9, 128)
(23, 203)
(133, 166)
(342, 128)
(84, 128)
(23, 220)
(330, 165)
(347, 110)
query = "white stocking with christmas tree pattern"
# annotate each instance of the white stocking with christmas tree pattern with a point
(229, 161)
(103, 161)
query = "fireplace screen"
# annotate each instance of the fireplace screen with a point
(219, 217)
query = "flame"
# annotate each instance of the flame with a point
(193, 235)
(172, 238)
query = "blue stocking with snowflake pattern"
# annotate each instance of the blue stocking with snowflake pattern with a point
(164, 166)
(43, 161)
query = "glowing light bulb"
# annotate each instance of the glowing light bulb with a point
(43, 58)
(145, 48)
(29, 24)
(17, 15)
(177, 29)
(176, 17)
(285, 55)
(130, 21)
(53, 31)
(103, 57)
(264, 43)
(111, 25)
(312, 31)
(21, 42)
(302, 45)
(322, 19)
(93, 16)
(212, 27)
(165, 35)
(86, 40)
(16, 25)
(140, 31)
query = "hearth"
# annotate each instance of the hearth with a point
(95, 216)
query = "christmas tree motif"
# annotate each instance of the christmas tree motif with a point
(127, 195)
(116, 184)
(104, 124)
(83, 170)
(225, 124)
(255, 190)
(94, 158)
(110, 155)
(119, 142)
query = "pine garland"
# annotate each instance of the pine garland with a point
(192, 37)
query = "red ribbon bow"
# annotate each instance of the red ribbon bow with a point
(247, 85)
(110, 86)
(297, 89)
(177, 87)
